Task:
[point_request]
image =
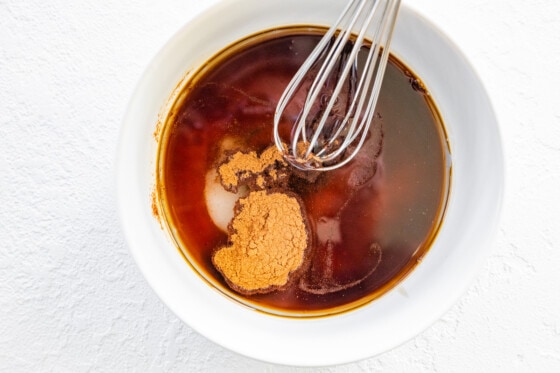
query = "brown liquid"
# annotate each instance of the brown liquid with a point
(399, 209)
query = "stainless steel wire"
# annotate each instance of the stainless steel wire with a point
(342, 86)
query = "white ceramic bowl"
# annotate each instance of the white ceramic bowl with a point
(446, 271)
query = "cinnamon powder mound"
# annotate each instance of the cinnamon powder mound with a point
(258, 172)
(269, 240)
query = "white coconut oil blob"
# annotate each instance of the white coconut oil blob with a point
(220, 202)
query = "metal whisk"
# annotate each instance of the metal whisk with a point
(336, 89)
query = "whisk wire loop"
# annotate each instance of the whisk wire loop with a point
(332, 58)
(322, 138)
(350, 113)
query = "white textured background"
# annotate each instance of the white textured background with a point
(72, 299)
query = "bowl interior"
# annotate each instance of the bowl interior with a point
(449, 266)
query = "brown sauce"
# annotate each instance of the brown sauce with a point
(371, 236)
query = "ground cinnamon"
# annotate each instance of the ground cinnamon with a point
(268, 243)
(267, 170)
(268, 235)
